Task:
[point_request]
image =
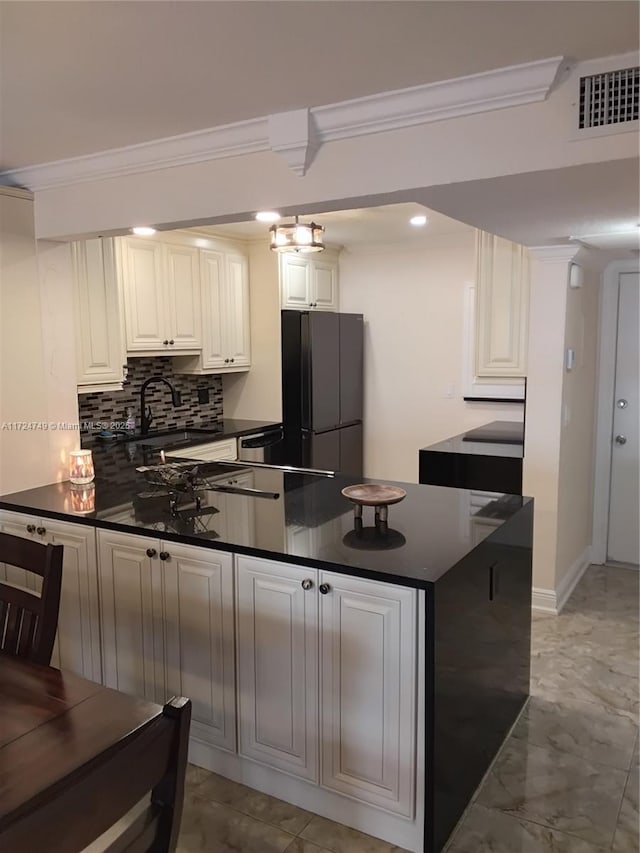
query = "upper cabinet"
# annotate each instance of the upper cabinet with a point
(225, 315)
(100, 352)
(502, 308)
(309, 282)
(137, 296)
(161, 288)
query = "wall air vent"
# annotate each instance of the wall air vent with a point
(608, 99)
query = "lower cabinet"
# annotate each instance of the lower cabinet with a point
(167, 627)
(278, 665)
(77, 645)
(363, 634)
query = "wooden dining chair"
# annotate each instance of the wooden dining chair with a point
(28, 621)
(85, 810)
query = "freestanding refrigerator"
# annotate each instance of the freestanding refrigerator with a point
(322, 364)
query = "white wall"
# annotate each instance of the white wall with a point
(258, 393)
(579, 392)
(412, 300)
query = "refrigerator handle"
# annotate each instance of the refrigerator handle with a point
(305, 371)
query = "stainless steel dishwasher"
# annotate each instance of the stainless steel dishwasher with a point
(259, 447)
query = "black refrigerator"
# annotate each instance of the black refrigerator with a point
(322, 364)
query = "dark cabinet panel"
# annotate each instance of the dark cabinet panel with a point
(351, 367)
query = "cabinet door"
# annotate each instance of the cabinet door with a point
(368, 691)
(144, 294)
(212, 272)
(77, 646)
(324, 291)
(237, 328)
(131, 615)
(277, 665)
(25, 526)
(502, 307)
(295, 282)
(198, 589)
(183, 320)
(100, 353)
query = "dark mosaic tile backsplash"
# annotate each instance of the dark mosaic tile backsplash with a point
(111, 406)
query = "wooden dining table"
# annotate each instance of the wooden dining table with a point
(52, 723)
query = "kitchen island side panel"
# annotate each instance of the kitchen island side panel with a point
(481, 642)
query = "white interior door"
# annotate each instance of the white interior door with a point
(624, 510)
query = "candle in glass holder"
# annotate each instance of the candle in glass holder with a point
(83, 498)
(81, 467)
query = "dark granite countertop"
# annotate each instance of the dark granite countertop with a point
(310, 523)
(509, 441)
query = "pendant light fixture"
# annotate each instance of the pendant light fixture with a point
(296, 237)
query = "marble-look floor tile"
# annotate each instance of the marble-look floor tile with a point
(635, 761)
(557, 790)
(253, 803)
(209, 827)
(580, 728)
(342, 839)
(606, 592)
(627, 837)
(301, 845)
(194, 775)
(487, 831)
(559, 679)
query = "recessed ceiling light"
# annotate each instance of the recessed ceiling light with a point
(143, 230)
(267, 216)
(420, 219)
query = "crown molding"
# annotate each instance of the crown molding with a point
(16, 192)
(511, 86)
(554, 254)
(296, 135)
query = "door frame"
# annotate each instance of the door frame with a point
(604, 416)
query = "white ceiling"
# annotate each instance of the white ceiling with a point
(81, 77)
(352, 229)
(556, 206)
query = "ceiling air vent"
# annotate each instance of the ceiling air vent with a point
(610, 98)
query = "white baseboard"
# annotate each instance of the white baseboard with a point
(553, 600)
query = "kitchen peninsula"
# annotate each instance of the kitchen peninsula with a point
(368, 674)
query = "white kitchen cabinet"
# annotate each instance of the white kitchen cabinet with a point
(198, 589)
(277, 640)
(226, 344)
(368, 690)
(309, 282)
(131, 611)
(77, 645)
(167, 627)
(100, 352)
(502, 308)
(161, 288)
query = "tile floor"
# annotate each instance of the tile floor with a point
(566, 781)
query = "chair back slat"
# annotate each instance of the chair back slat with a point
(12, 633)
(27, 632)
(28, 622)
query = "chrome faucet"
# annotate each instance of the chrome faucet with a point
(145, 413)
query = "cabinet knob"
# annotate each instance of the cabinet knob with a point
(31, 528)
(324, 588)
(232, 360)
(151, 552)
(166, 343)
(41, 531)
(307, 583)
(164, 555)
(171, 342)
(226, 361)
(621, 439)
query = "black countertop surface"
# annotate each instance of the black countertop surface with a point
(310, 523)
(498, 438)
